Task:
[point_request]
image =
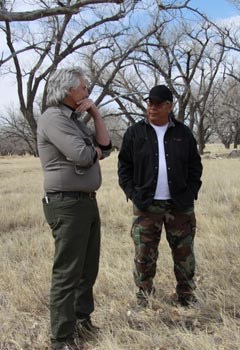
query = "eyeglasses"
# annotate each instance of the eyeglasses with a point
(157, 104)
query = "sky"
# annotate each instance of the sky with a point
(215, 9)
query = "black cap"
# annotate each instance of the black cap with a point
(160, 93)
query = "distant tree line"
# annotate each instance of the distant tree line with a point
(125, 47)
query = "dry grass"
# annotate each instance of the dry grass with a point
(26, 249)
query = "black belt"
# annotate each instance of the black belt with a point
(72, 194)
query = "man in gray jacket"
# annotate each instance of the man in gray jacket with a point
(70, 153)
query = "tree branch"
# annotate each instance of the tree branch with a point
(56, 11)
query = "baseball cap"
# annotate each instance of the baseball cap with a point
(160, 93)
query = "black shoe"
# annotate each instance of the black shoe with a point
(187, 300)
(67, 344)
(86, 330)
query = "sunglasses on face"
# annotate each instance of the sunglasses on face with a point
(157, 104)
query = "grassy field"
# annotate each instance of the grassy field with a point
(26, 249)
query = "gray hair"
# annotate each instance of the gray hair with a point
(60, 82)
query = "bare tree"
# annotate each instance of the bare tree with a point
(209, 68)
(97, 31)
(52, 42)
(113, 70)
(186, 59)
(225, 111)
(53, 8)
(123, 57)
(16, 135)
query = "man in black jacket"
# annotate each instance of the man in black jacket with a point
(160, 170)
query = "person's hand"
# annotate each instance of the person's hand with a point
(87, 105)
(99, 152)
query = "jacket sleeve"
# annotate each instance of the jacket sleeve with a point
(125, 165)
(195, 168)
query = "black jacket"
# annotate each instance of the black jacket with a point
(138, 164)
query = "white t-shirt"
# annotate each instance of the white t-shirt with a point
(162, 189)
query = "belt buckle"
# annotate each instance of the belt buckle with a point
(92, 195)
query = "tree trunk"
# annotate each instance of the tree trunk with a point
(201, 141)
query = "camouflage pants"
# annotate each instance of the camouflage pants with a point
(180, 232)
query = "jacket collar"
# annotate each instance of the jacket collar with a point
(68, 111)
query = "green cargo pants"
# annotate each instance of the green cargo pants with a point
(75, 223)
(180, 231)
